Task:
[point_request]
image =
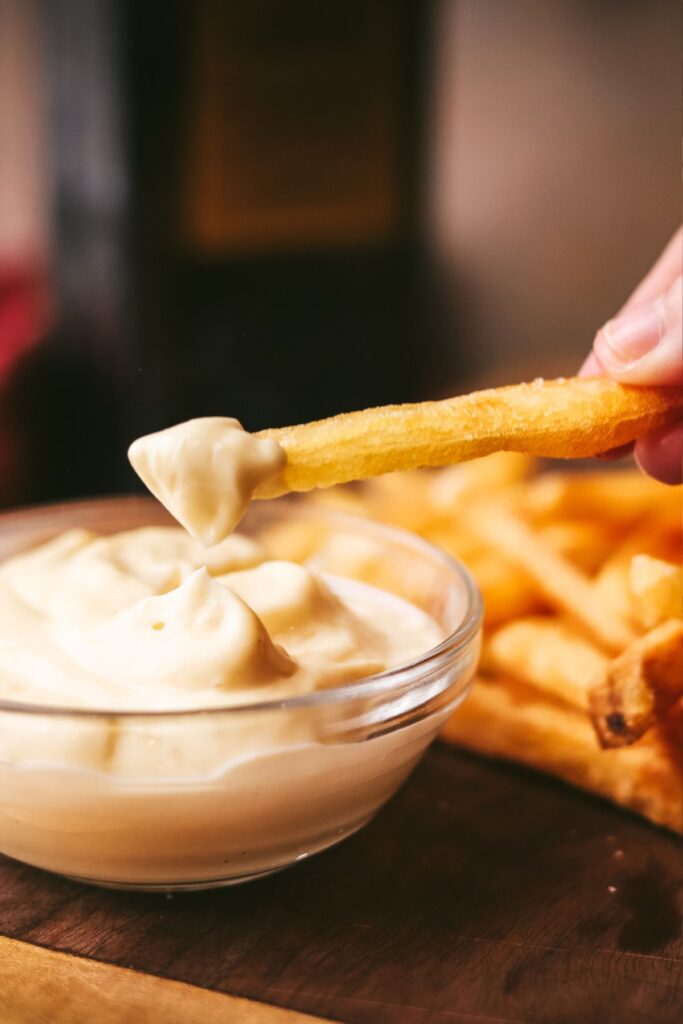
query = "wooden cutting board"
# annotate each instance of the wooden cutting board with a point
(483, 893)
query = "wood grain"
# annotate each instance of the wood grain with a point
(37, 985)
(482, 893)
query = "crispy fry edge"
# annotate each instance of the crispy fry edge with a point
(570, 418)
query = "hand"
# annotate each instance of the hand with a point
(643, 345)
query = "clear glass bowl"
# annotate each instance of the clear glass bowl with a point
(191, 800)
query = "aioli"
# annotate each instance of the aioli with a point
(150, 620)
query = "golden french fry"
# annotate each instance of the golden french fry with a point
(491, 473)
(659, 533)
(585, 543)
(560, 583)
(402, 499)
(507, 590)
(547, 654)
(611, 587)
(656, 535)
(558, 418)
(593, 555)
(657, 589)
(456, 540)
(503, 718)
(639, 686)
(614, 496)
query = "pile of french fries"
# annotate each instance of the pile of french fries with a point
(582, 666)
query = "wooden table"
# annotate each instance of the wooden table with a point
(483, 893)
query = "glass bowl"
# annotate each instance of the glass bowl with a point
(195, 799)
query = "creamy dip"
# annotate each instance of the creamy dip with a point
(152, 620)
(148, 620)
(205, 472)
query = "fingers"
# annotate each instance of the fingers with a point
(661, 277)
(645, 344)
(661, 454)
(591, 367)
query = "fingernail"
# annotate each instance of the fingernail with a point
(633, 335)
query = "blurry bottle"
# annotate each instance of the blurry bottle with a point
(280, 218)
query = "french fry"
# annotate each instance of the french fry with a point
(486, 475)
(616, 496)
(402, 499)
(507, 590)
(585, 543)
(657, 589)
(455, 541)
(573, 569)
(612, 589)
(561, 418)
(563, 586)
(657, 536)
(639, 686)
(504, 719)
(548, 654)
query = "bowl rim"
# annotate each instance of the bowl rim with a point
(399, 677)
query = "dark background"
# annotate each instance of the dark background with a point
(282, 210)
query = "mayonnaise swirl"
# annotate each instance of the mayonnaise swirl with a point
(146, 619)
(152, 619)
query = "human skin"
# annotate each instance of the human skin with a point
(643, 345)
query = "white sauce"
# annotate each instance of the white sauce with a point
(150, 620)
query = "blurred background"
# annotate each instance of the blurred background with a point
(281, 210)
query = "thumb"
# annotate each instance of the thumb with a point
(645, 344)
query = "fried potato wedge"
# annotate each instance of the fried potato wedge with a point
(639, 686)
